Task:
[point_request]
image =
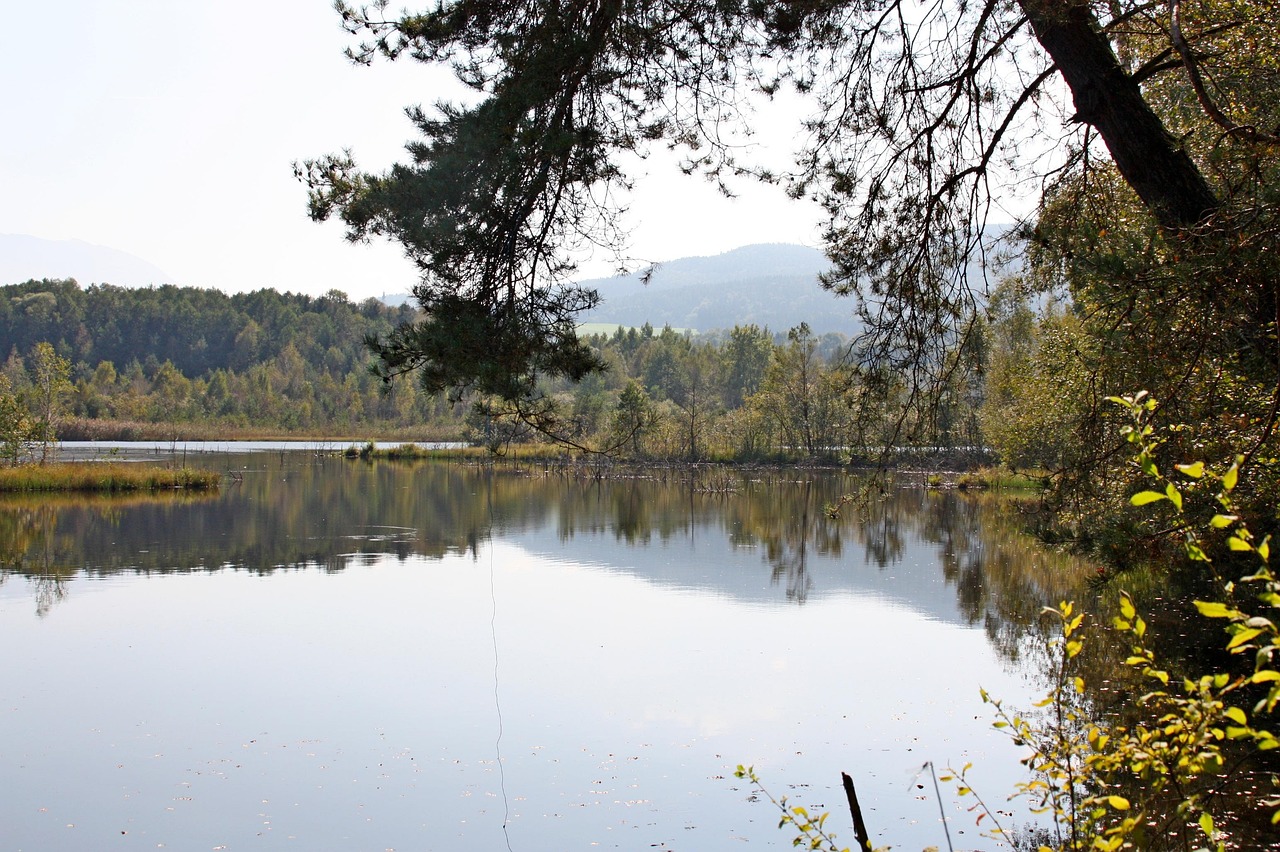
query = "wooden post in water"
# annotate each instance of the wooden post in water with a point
(859, 827)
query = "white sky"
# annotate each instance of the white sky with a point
(167, 129)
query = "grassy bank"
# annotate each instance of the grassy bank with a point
(104, 477)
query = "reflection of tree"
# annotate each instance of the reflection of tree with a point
(1002, 576)
(28, 548)
(50, 588)
(788, 552)
(294, 511)
(880, 528)
(954, 525)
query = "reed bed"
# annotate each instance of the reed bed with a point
(105, 477)
(1002, 479)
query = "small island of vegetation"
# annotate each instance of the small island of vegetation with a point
(104, 477)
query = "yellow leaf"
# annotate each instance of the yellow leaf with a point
(1213, 609)
(1243, 636)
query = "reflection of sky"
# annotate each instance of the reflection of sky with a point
(360, 710)
(709, 562)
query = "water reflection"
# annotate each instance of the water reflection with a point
(955, 557)
(322, 646)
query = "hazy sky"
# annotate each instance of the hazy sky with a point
(168, 130)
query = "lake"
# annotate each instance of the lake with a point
(341, 655)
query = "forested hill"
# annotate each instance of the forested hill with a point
(182, 355)
(196, 330)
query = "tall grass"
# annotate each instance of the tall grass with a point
(1002, 479)
(103, 476)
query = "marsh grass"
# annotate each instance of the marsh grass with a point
(104, 477)
(1001, 479)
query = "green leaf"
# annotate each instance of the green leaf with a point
(1236, 543)
(1219, 522)
(1142, 498)
(1175, 496)
(1206, 825)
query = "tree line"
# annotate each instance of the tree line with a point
(177, 357)
(184, 361)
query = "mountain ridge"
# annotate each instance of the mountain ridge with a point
(765, 284)
(25, 258)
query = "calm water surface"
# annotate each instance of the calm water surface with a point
(334, 655)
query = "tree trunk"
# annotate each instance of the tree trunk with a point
(1109, 99)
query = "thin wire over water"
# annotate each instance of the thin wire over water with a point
(497, 703)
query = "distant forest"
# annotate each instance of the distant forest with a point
(184, 362)
(182, 355)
